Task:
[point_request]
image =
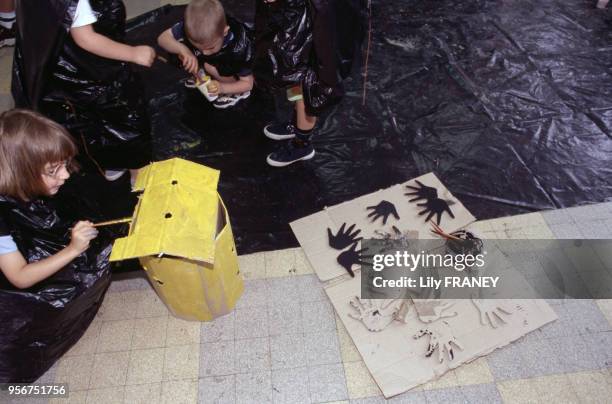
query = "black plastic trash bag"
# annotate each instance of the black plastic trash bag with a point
(100, 101)
(312, 43)
(41, 323)
(236, 55)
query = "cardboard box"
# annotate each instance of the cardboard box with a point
(311, 231)
(182, 235)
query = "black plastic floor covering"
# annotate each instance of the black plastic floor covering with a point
(508, 102)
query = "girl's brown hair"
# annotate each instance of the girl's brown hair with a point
(29, 141)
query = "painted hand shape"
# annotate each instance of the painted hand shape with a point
(383, 209)
(343, 238)
(441, 337)
(491, 311)
(351, 257)
(375, 316)
(436, 207)
(421, 192)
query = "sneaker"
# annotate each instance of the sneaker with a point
(293, 151)
(280, 131)
(189, 83)
(7, 36)
(113, 175)
(226, 101)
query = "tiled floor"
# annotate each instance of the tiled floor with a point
(283, 343)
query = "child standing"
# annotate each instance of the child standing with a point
(309, 46)
(219, 44)
(36, 157)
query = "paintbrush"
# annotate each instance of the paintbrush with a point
(110, 222)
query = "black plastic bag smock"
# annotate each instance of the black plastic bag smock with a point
(312, 43)
(236, 55)
(100, 101)
(41, 323)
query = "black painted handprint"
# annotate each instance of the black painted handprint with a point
(383, 209)
(351, 257)
(421, 192)
(344, 237)
(436, 207)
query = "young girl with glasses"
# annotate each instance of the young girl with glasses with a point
(35, 160)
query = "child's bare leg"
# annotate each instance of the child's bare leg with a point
(6, 6)
(304, 121)
(133, 175)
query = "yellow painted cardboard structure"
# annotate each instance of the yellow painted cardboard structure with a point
(182, 236)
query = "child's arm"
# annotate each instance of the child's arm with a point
(100, 45)
(23, 275)
(227, 85)
(244, 83)
(166, 40)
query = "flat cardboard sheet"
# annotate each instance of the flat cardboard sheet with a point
(397, 360)
(311, 231)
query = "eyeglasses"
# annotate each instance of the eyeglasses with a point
(55, 169)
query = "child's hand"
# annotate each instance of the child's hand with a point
(143, 55)
(214, 87)
(190, 62)
(82, 233)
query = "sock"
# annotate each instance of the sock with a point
(303, 136)
(7, 19)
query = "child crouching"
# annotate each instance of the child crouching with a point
(210, 43)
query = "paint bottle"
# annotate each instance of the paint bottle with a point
(202, 84)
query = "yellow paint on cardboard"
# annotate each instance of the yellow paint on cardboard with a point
(193, 268)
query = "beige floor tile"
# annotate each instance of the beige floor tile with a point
(76, 371)
(174, 2)
(181, 362)
(606, 308)
(112, 395)
(280, 263)
(348, 349)
(302, 265)
(88, 342)
(476, 372)
(359, 381)
(149, 332)
(109, 370)
(592, 387)
(449, 379)
(143, 394)
(6, 64)
(555, 389)
(74, 397)
(518, 391)
(115, 336)
(146, 366)
(137, 7)
(151, 306)
(120, 305)
(6, 102)
(182, 332)
(252, 266)
(180, 392)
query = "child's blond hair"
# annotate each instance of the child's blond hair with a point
(28, 142)
(204, 21)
